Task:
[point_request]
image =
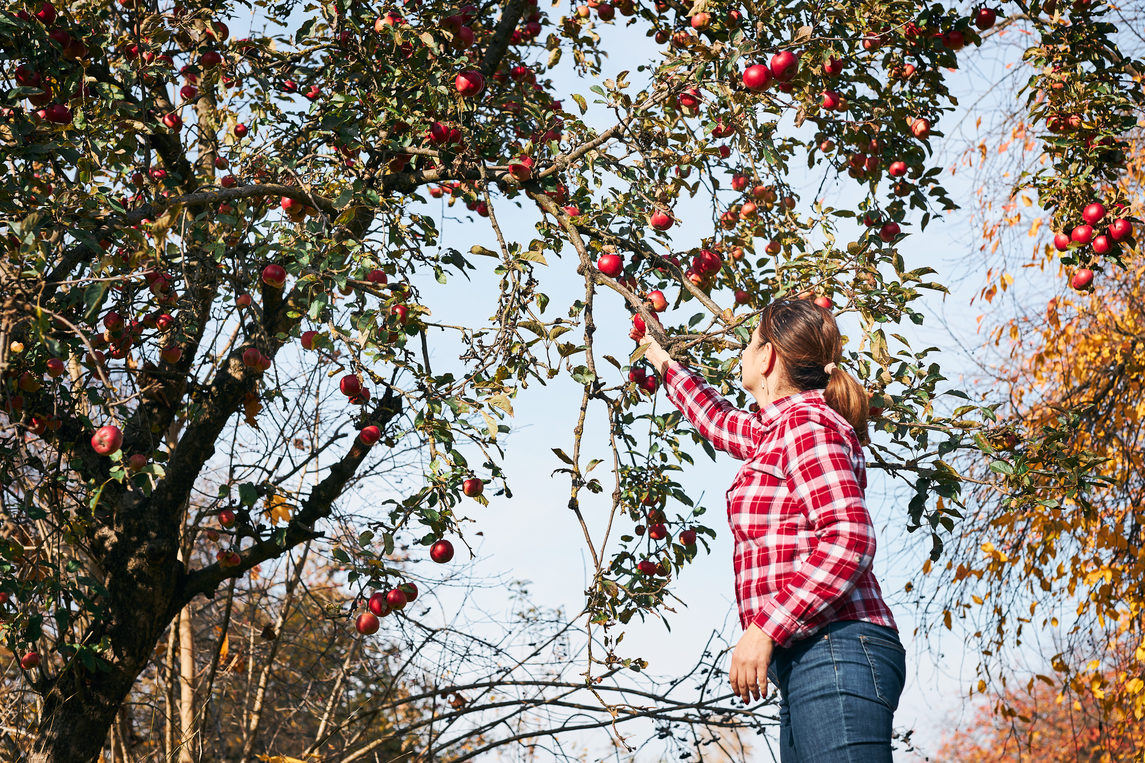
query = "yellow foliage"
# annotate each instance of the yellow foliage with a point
(277, 509)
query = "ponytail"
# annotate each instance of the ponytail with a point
(849, 399)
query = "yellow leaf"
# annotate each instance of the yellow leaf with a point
(277, 509)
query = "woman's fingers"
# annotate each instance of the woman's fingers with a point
(759, 684)
(749, 682)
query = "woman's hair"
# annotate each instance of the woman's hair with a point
(807, 338)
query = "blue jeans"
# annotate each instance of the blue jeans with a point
(839, 688)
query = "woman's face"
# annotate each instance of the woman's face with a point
(753, 360)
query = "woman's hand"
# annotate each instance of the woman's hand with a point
(750, 659)
(655, 354)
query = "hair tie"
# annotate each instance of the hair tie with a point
(827, 369)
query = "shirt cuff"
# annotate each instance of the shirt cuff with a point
(674, 371)
(776, 622)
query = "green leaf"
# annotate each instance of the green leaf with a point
(248, 494)
(1002, 467)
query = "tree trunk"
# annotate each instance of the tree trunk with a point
(75, 719)
(140, 574)
(186, 686)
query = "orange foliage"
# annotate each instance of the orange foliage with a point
(1044, 725)
(1046, 554)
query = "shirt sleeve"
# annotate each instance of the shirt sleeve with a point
(821, 477)
(722, 424)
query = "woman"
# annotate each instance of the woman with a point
(814, 619)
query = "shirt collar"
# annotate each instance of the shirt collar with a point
(773, 412)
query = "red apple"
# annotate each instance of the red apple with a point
(350, 385)
(274, 276)
(954, 40)
(369, 435)
(610, 265)
(830, 100)
(241, 130)
(367, 623)
(107, 440)
(897, 169)
(396, 598)
(376, 276)
(701, 20)
(188, 92)
(1102, 244)
(243, 300)
(1093, 213)
(637, 374)
(638, 328)
(661, 220)
(469, 83)
(377, 604)
(657, 300)
(1120, 229)
(688, 537)
(1061, 241)
(171, 353)
(984, 18)
(920, 128)
(888, 231)
(832, 67)
(441, 551)
(756, 78)
(210, 59)
(522, 169)
(252, 357)
(649, 384)
(31, 660)
(784, 65)
(227, 518)
(657, 531)
(58, 114)
(55, 367)
(647, 567)
(1081, 279)
(308, 339)
(823, 302)
(1082, 234)
(742, 297)
(472, 487)
(410, 590)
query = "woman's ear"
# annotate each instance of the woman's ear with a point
(766, 359)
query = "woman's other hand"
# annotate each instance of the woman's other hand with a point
(750, 660)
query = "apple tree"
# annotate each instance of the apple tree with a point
(213, 319)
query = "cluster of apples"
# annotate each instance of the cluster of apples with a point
(1089, 233)
(52, 106)
(657, 530)
(381, 603)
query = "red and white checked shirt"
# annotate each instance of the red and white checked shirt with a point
(803, 538)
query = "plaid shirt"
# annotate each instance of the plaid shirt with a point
(803, 538)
